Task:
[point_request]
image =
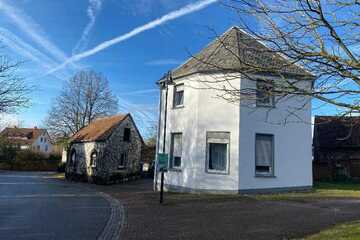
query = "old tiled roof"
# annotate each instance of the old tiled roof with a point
(336, 132)
(235, 51)
(23, 136)
(98, 130)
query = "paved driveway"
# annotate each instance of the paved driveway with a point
(36, 206)
(192, 216)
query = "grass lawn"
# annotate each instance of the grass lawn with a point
(320, 190)
(347, 231)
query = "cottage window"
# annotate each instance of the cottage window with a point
(46, 148)
(264, 154)
(264, 94)
(73, 158)
(93, 158)
(127, 133)
(218, 152)
(123, 160)
(176, 150)
(178, 96)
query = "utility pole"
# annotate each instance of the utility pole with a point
(167, 82)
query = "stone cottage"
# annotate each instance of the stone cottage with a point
(106, 150)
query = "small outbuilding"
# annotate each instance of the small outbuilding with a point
(336, 146)
(107, 150)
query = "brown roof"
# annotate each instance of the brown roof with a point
(98, 130)
(25, 136)
(336, 132)
(236, 50)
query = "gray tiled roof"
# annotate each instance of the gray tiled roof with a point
(238, 51)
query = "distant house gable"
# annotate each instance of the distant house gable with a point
(22, 136)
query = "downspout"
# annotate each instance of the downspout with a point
(158, 138)
(162, 85)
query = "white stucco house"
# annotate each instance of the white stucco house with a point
(35, 139)
(248, 145)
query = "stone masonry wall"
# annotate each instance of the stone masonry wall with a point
(108, 154)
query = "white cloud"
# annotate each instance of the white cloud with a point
(190, 8)
(140, 92)
(163, 62)
(30, 53)
(93, 10)
(33, 30)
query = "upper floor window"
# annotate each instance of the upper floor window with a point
(217, 152)
(127, 133)
(176, 150)
(178, 96)
(264, 154)
(264, 94)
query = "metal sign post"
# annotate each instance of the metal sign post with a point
(163, 160)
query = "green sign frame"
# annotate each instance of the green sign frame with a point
(163, 161)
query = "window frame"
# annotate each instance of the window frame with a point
(123, 166)
(171, 158)
(271, 104)
(174, 96)
(93, 164)
(217, 141)
(272, 171)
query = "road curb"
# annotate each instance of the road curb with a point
(116, 219)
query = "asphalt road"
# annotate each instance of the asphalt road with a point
(35, 206)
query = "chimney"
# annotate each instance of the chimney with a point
(35, 127)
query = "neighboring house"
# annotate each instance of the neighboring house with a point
(336, 145)
(34, 139)
(108, 147)
(219, 146)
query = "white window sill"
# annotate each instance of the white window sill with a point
(226, 172)
(175, 169)
(178, 107)
(264, 175)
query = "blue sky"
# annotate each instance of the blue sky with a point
(45, 33)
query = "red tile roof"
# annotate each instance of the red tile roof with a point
(98, 130)
(24, 136)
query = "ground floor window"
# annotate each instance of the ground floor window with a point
(264, 154)
(217, 152)
(93, 158)
(176, 150)
(123, 160)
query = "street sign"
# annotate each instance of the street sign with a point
(163, 159)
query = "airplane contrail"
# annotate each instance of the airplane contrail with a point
(190, 8)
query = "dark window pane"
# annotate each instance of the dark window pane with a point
(179, 98)
(177, 161)
(264, 94)
(127, 134)
(264, 153)
(217, 156)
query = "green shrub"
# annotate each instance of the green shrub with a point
(61, 167)
(27, 160)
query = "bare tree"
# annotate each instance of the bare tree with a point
(307, 40)
(13, 89)
(85, 97)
